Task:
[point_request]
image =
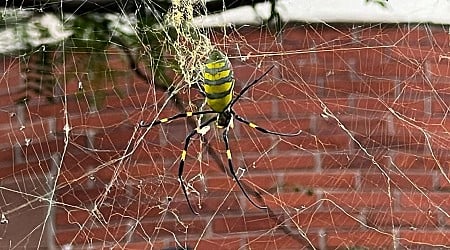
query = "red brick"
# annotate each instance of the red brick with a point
(9, 117)
(140, 245)
(251, 110)
(170, 227)
(249, 145)
(7, 156)
(358, 160)
(280, 89)
(83, 197)
(341, 180)
(282, 125)
(11, 99)
(102, 119)
(359, 238)
(300, 108)
(404, 181)
(225, 183)
(281, 162)
(369, 127)
(407, 161)
(306, 65)
(392, 70)
(141, 207)
(439, 106)
(120, 138)
(255, 39)
(44, 149)
(91, 234)
(65, 217)
(11, 77)
(218, 242)
(441, 70)
(445, 220)
(218, 203)
(140, 171)
(429, 201)
(118, 210)
(315, 36)
(439, 238)
(436, 126)
(23, 170)
(403, 219)
(358, 125)
(79, 167)
(402, 141)
(18, 134)
(250, 69)
(169, 152)
(401, 35)
(410, 107)
(304, 141)
(39, 108)
(358, 200)
(422, 53)
(243, 224)
(280, 201)
(353, 60)
(296, 88)
(365, 87)
(286, 242)
(444, 183)
(160, 189)
(140, 97)
(328, 220)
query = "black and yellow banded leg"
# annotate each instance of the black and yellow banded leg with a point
(230, 165)
(183, 158)
(263, 130)
(177, 116)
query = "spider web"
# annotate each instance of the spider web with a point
(369, 170)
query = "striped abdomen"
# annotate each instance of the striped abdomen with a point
(218, 81)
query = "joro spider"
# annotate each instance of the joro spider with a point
(218, 90)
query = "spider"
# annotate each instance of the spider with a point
(217, 88)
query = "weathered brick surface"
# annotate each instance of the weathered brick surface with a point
(369, 170)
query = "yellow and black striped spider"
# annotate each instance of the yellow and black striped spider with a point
(218, 90)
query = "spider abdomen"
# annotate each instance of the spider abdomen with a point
(218, 81)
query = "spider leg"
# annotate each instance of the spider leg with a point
(177, 116)
(230, 165)
(263, 130)
(183, 158)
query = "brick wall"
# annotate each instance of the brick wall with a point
(370, 169)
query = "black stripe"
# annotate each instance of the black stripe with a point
(218, 95)
(214, 71)
(229, 78)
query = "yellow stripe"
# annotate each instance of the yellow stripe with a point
(228, 154)
(164, 120)
(188, 114)
(212, 89)
(183, 155)
(216, 65)
(252, 125)
(219, 105)
(218, 76)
